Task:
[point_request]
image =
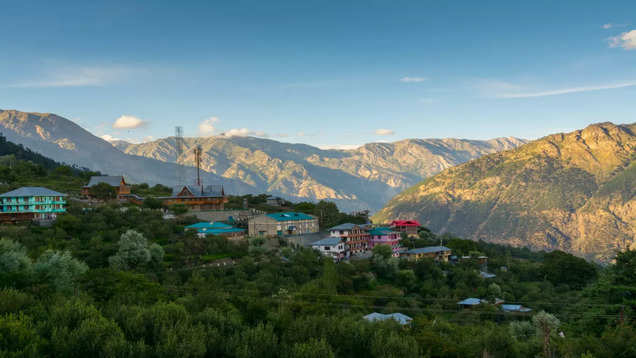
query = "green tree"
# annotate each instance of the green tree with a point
(546, 325)
(563, 268)
(314, 348)
(19, 337)
(15, 264)
(134, 252)
(59, 270)
(103, 191)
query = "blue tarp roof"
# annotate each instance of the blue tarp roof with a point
(329, 241)
(427, 250)
(380, 231)
(470, 301)
(31, 191)
(487, 275)
(515, 308)
(290, 216)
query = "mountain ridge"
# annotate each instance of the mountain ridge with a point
(571, 191)
(361, 178)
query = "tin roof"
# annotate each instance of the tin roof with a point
(290, 216)
(470, 302)
(428, 250)
(405, 223)
(31, 191)
(329, 241)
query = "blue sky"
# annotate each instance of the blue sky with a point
(327, 73)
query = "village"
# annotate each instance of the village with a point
(340, 243)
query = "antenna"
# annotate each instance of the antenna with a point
(197, 153)
(178, 139)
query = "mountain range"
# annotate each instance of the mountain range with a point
(362, 178)
(570, 191)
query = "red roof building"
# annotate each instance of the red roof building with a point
(406, 226)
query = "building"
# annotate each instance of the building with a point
(515, 308)
(275, 201)
(385, 236)
(398, 317)
(204, 229)
(117, 182)
(437, 253)
(409, 227)
(356, 237)
(197, 197)
(282, 224)
(471, 302)
(332, 247)
(31, 203)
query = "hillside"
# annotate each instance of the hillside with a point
(366, 177)
(66, 142)
(574, 192)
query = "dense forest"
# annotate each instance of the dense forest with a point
(121, 281)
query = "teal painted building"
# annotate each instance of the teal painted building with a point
(31, 203)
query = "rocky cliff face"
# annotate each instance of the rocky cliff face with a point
(362, 178)
(574, 192)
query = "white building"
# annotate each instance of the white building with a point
(332, 247)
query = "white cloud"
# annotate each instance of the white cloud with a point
(95, 76)
(207, 126)
(564, 90)
(607, 26)
(383, 131)
(129, 122)
(408, 79)
(244, 132)
(626, 40)
(108, 138)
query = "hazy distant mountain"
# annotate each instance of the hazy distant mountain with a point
(64, 141)
(363, 178)
(574, 191)
(366, 177)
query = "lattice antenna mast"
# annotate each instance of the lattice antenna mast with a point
(197, 153)
(178, 138)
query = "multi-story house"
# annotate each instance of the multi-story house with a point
(197, 197)
(116, 182)
(31, 203)
(332, 247)
(282, 224)
(355, 237)
(385, 236)
(437, 253)
(409, 227)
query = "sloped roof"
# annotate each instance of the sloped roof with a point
(218, 231)
(405, 223)
(515, 308)
(380, 231)
(470, 302)
(398, 317)
(209, 225)
(108, 179)
(200, 190)
(428, 250)
(348, 226)
(290, 216)
(486, 274)
(31, 191)
(329, 241)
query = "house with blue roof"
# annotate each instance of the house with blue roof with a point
(216, 228)
(282, 224)
(437, 253)
(332, 247)
(31, 203)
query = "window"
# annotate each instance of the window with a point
(327, 248)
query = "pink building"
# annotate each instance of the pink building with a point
(386, 236)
